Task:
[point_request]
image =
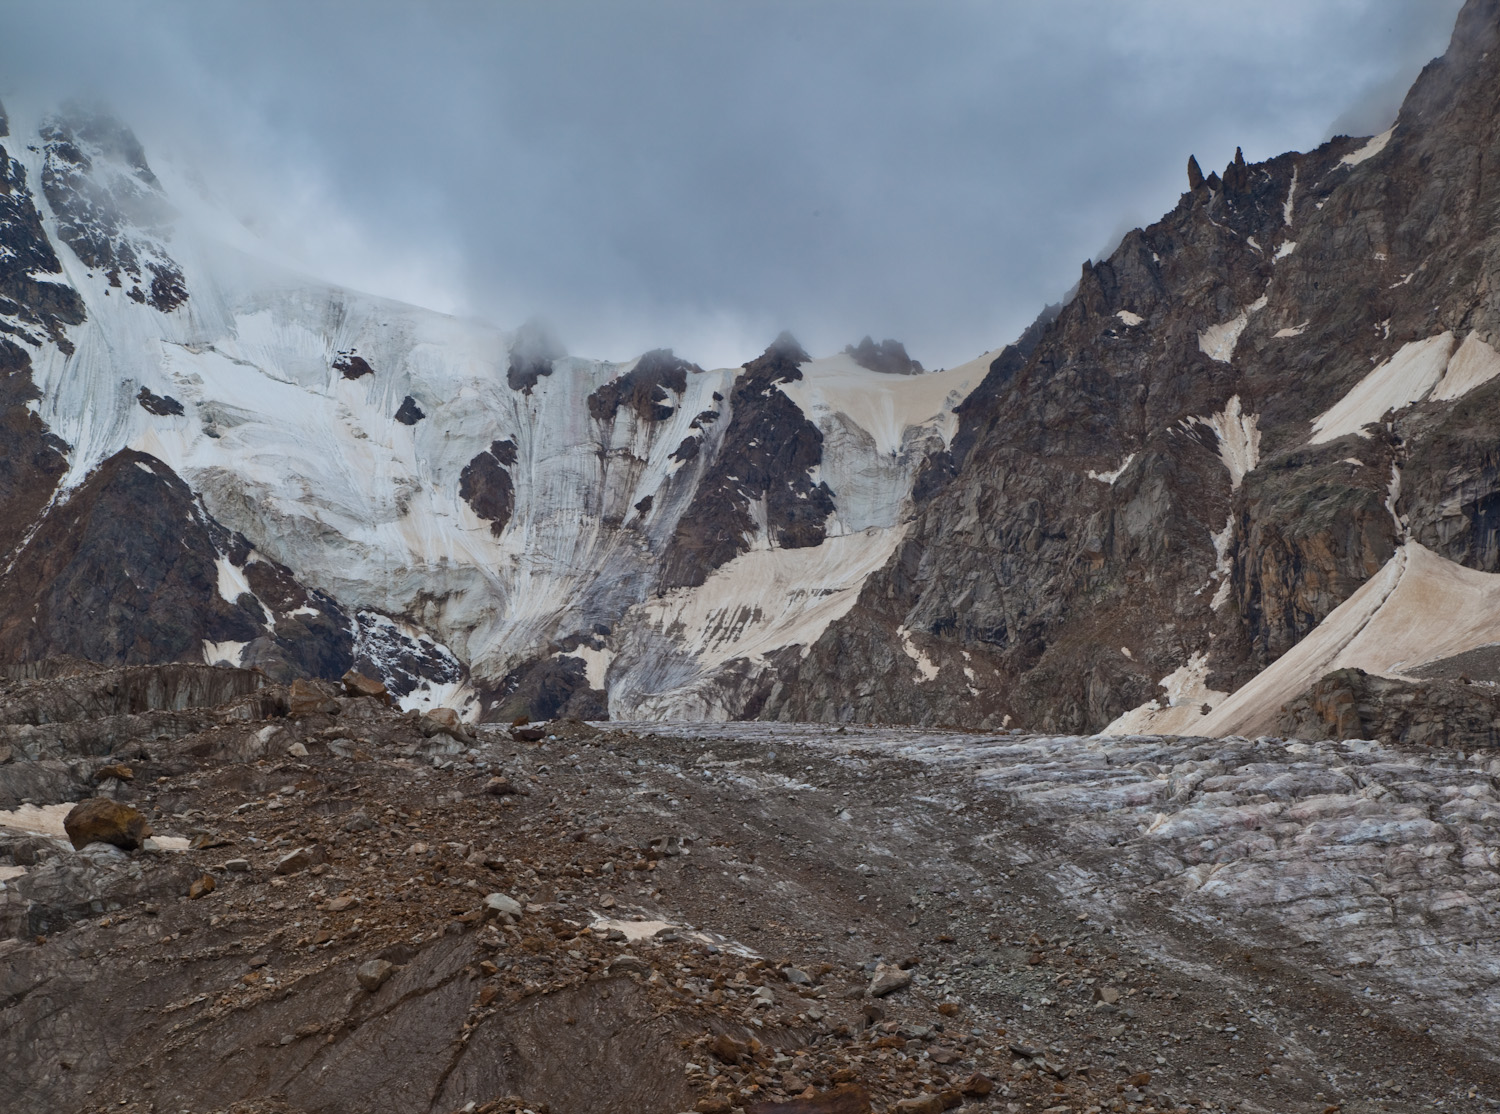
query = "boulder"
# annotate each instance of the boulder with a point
(357, 684)
(528, 734)
(100, 820)
(115, 770)
(888, 979)
(308, 698)
(202, 886)
(444, 721)
(502, 905)
(299, 860)
(372, 974)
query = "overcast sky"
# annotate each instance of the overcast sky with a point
(700, 175)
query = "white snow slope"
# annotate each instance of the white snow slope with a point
(313, 469)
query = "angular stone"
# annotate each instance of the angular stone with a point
(115, 770)
(308, 698)
(977, 1085)
(296, 861)
(502, 905)
(202, 887)
(922, 1104)
(100, 820)
(373, 974)
(357, 684)
(888, 979)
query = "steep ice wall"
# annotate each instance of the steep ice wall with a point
(502, 519)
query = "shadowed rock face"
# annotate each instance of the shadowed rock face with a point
(769, 451)
(644, 389)
(1088, 503)
(409, 413)
(485, 485)
(889, 356)
(130, 570)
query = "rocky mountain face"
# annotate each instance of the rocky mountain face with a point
(1254, 438)
(211, 458)
(1246, 412)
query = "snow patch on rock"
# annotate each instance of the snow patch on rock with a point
(1111, 477)
(1187, 694)
(1369, 150)
(927, 669)
(1405, 378)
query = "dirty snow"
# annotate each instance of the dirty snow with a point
(1474, 364)
(1405, 378)
(44, 820)
(1239, 439)
(1111, 477)
(1369, 150)
(1293, 331)
(1131, 319)
(1187, 692)
(927, 669)
(1418, 608)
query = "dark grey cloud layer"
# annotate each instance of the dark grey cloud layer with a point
(702, 174)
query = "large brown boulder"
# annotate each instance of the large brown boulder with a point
(101, 820)
(308, 698)
(357, 684)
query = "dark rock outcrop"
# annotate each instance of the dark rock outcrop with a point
(532, 354)
(644, 388)
(163, 406)
(409, 413)
(485, 485)
(351, 366)
(551, 687)
(129, 570)
(769, 451)
(889, 356)
(1353, 704)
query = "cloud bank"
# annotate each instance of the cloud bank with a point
(701, 175)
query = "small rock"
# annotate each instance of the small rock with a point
(796, 977)
(504, 787)
(502, 905)
(887, 980)
(124, 773)
(726, 1049)
(259, 961)
(945, 1056)
(528, 734)
(922, 1104)
(977, 1085)
(629, 964)
(358, 822)
(296, 861)
(237, 866)
(1109, 995)
(372, 974)
(297, 750)
(202, 887)
(206, 842)
(342, 904)
(100, 820)
(357, 684)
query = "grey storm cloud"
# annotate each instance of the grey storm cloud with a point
(703, 174)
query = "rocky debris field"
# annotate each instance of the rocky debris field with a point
(342, 907)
